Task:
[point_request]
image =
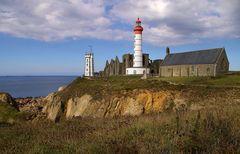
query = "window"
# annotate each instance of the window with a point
(134, 72)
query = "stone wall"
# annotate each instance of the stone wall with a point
(222, 64)
(154, 66)
(188, 70)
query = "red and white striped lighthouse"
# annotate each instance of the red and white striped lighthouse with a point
(138, 60)
(138, 55)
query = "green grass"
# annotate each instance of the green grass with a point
(227, 80)
(7, 113)
(101, 87)
(211, 131)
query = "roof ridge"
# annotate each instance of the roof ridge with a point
(202, 50)
(206, 56)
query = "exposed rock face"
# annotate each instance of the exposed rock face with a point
(136, 103)
(52, 107)
(61, 88)
(6, 98)
(78, 106)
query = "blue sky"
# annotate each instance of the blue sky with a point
(45, 37)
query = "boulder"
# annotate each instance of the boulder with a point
(61, 88)
(7, 98)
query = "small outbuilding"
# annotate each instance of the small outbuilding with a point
(210, 62)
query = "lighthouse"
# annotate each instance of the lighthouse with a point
(138, 55)
(138, 60)
(89, 65)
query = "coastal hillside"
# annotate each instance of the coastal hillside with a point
(131, 115)
(132, 96)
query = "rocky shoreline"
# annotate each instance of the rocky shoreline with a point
(102, 104)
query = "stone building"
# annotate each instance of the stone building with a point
(210, 62)
(115, 67)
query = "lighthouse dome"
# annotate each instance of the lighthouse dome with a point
(138, 20)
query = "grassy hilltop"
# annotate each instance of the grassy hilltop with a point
(99, 86)
(213, 129)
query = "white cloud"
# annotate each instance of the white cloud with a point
(166, 22)
(173, 22)
(56, 19)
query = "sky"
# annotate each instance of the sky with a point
(50, 37)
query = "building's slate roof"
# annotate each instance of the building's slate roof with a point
(208, 56)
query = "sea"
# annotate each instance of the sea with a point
(33, 86)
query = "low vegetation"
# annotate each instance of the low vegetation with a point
(8, 114)
(212, 131)
(98, 87)
(227, 80)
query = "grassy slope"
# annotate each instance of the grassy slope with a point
(106, 86)
(100, 87)
(228, 80)
(192, 132)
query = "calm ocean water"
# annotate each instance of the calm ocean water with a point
(24, 86)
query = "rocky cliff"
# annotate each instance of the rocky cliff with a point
(124, 103)
(104, 102)
(113, 97)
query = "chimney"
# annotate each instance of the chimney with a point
(167, 51)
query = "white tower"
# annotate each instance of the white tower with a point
(138, 55)
(89, 64)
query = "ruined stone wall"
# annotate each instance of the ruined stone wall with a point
(115, 67)
(154, 66)
(145, 60)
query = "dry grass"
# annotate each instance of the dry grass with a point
(7, 113)
(215, 131)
